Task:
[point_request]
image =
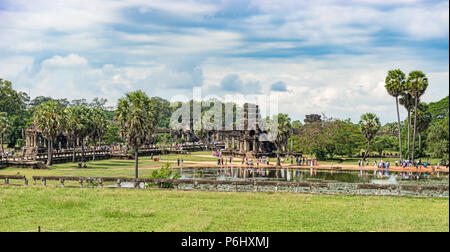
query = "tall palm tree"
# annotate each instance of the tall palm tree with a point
(396, 86)
(137, 121)
(370, 125)
(417, 84)
(49, 117)
(99, 126)
(77, 125)
(4, 126)
(407, 101)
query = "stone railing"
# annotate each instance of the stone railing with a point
(252, 186)
(8, 178)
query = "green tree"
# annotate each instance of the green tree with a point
(50, 119)
(99, 126)
(424, 119)
(4, 126)
(283, 132)
(370, 125)
(136, 120)
(112, 135)
(297, 124)
(417, 83)
(395, 85)
(201, 133)
(383, 142)
(13, 103)
(78, 126)
(438, 139)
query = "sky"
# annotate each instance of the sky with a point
(317, 56)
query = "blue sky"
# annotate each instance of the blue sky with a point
(318, 56)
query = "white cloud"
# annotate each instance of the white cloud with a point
(72, 60)
(327, 52)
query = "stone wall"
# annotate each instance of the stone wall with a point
(261, 186)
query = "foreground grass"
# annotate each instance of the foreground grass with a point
(73, 209)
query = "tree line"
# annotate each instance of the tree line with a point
(136, 116)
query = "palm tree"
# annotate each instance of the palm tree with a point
(137, 121)
(396, 86)
(99, 126)
(407, 101)
(284, 127)
(49, 117)
(4, 126)
(370, 125)
(77, 124)
(417, 83)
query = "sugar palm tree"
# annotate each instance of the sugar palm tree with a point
(407, 101)
(99, 126)
(370, 125)
(137, 121)
(417, 83)
(77, 125)
(396, 86)
(49, 117)
(4, 126)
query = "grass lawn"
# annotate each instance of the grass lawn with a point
(74, 209)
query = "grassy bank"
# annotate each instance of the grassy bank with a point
(73, 209)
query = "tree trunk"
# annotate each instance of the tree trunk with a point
(278, 157)
(136, 163)
(50, 153)
(73, 153)
(83, 159)
(399, 130)
(93, 151)
(420, 144)
(415, 129)
(3, 150)
(367, 150)
(409, 134)
(23, 143)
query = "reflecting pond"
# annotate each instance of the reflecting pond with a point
(311, 175)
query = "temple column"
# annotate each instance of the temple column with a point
(254, 145)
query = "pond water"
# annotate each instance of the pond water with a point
(310, 175)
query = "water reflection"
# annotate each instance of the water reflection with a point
(305, 175)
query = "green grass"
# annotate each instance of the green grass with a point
(73, 209)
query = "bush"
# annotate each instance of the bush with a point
(165, 173)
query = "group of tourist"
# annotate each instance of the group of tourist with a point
(305, 161)
(6, 155)
(419, 164)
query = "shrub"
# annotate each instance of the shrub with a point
(165, 173)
